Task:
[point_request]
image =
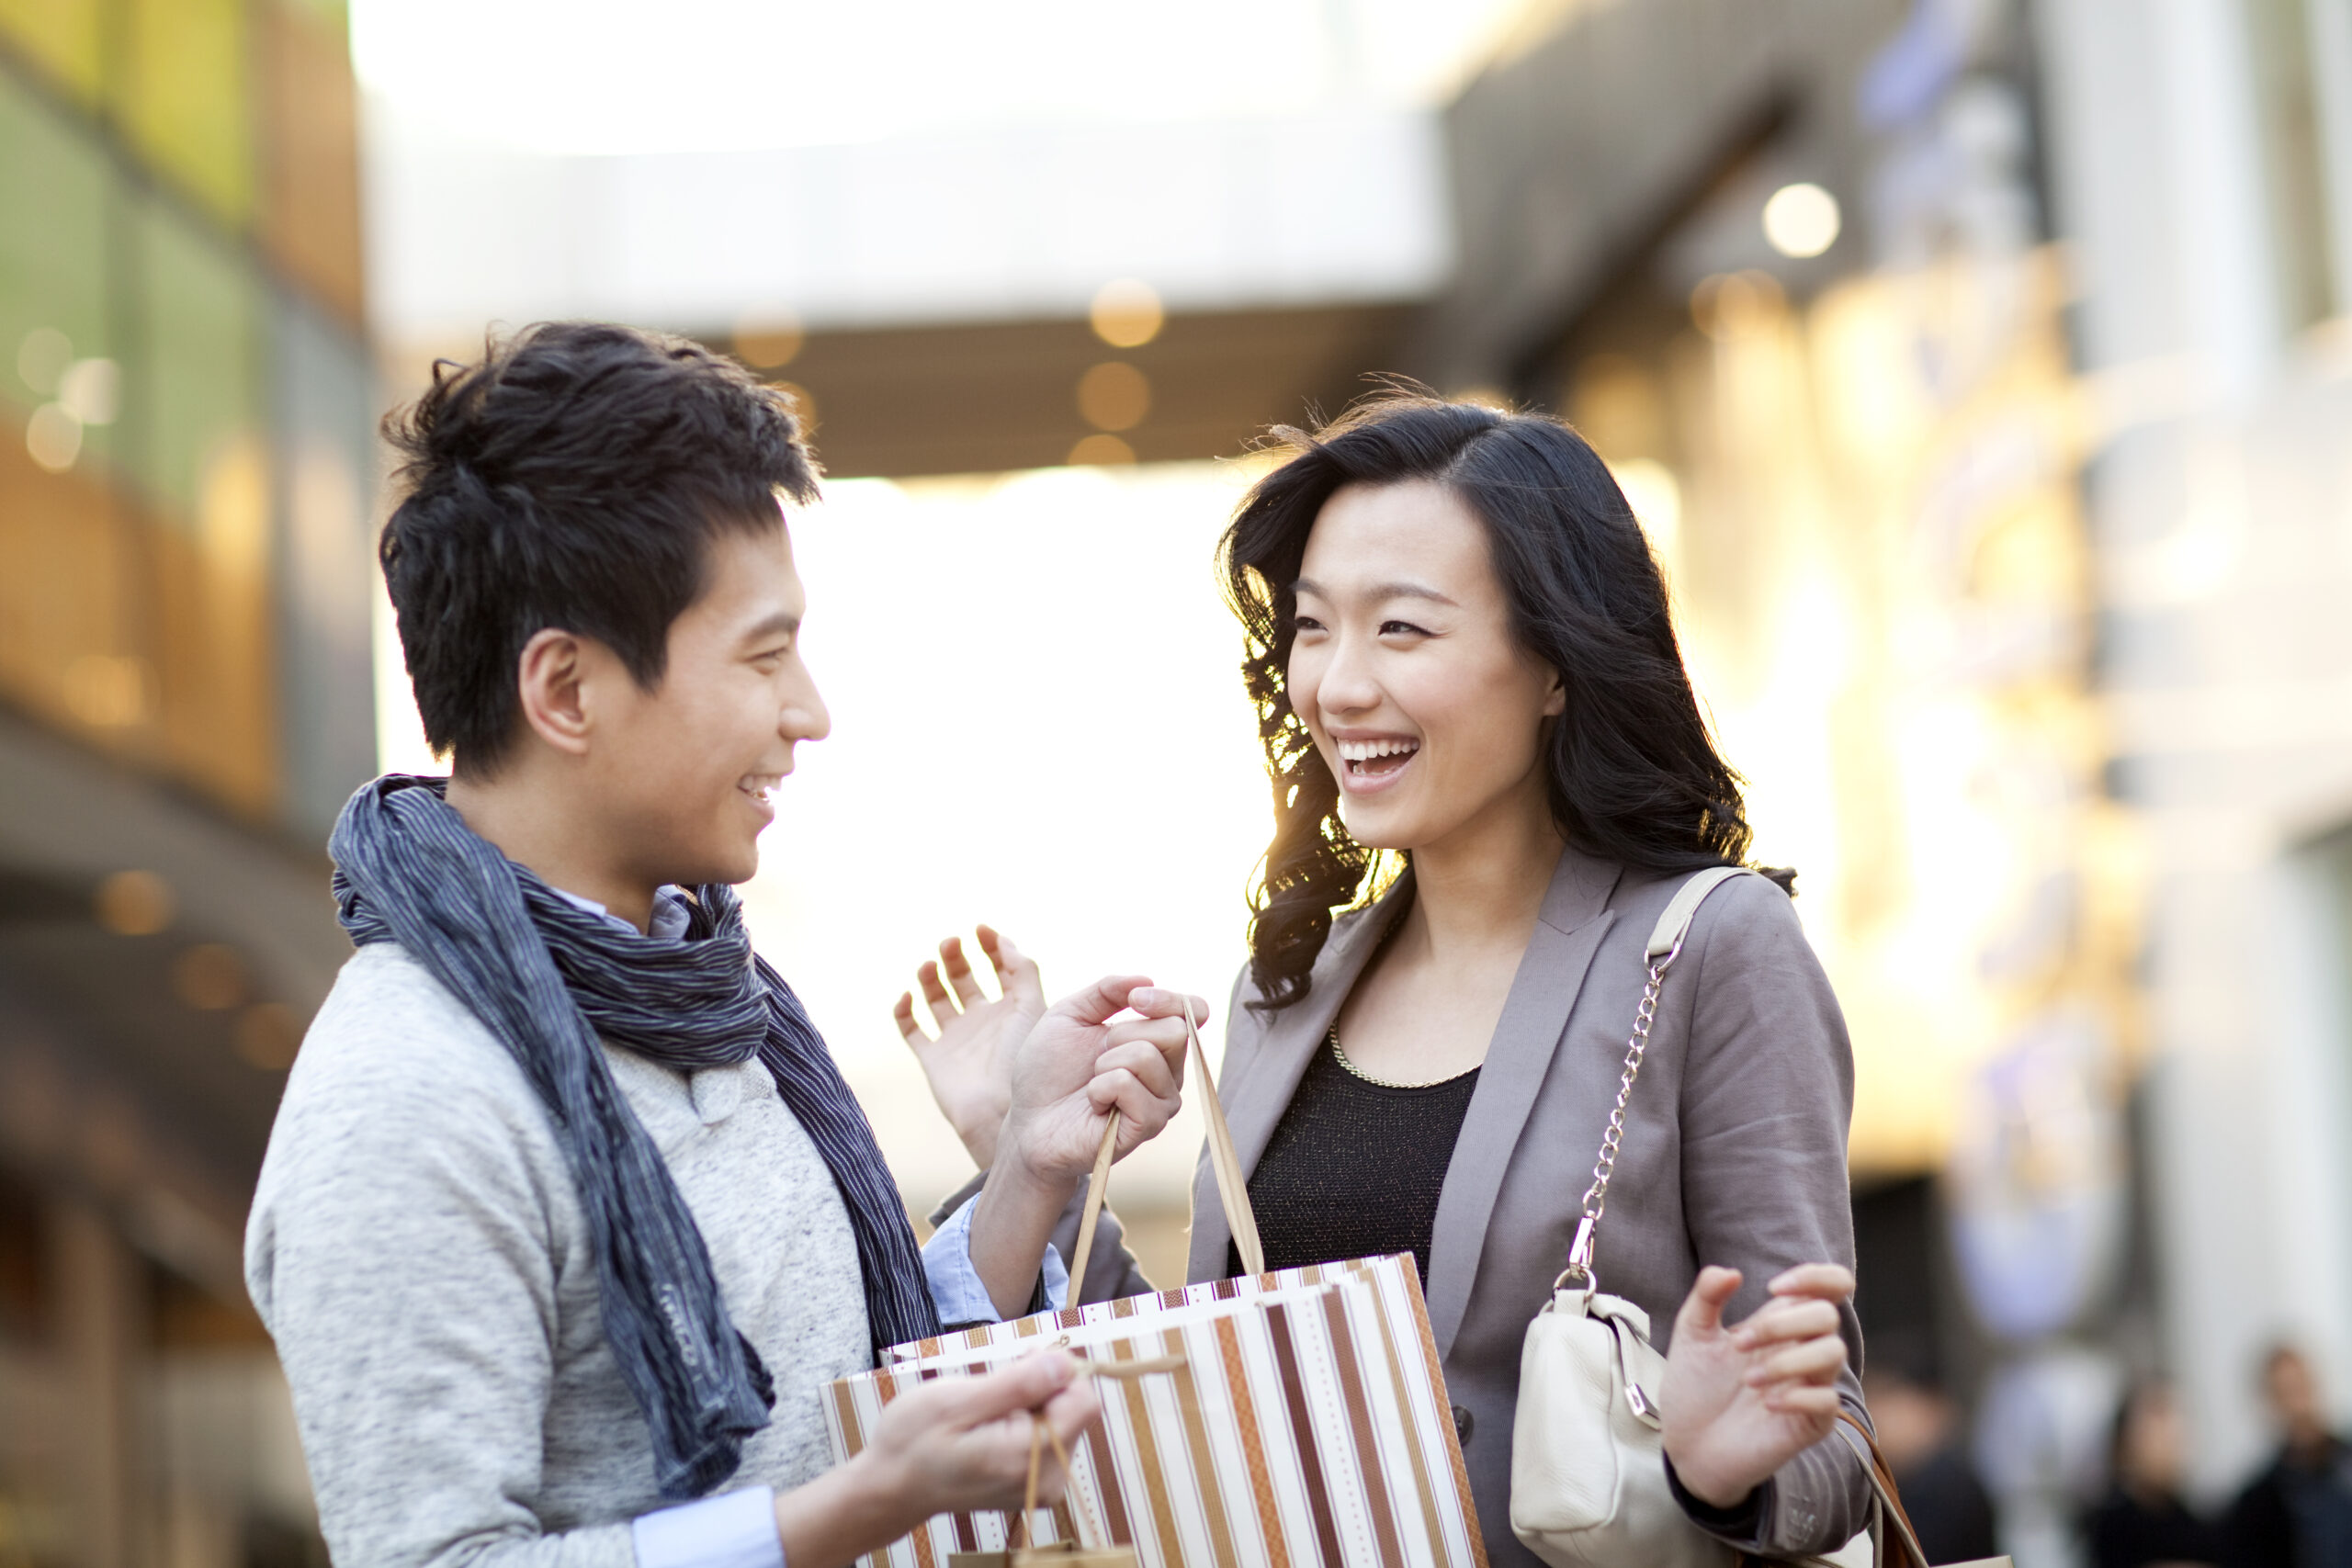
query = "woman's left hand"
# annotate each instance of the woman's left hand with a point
(1740, 1402)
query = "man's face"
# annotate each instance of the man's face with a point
(685, 770)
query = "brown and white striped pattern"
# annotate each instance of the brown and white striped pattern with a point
(1309, 1426)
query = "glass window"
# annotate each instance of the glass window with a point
(182, 95)
(200, 387)
(311, 221)
(196, 382)
(53, 185)
(62, 36)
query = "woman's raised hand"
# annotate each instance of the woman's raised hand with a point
(1740, 1402)
(969, 1064)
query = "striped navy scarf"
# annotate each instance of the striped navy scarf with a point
(549, 979)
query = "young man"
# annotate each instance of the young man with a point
(568, 1216)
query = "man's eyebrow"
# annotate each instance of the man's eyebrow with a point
(784, 623)
(1379, 591)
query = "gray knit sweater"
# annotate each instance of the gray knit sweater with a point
(419, 1254)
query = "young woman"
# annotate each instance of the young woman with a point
(1460, 649)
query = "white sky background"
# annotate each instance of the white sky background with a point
(620, 76)
(1038, 720)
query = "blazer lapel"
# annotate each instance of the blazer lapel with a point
(1534, 1016)
(1254, 1101)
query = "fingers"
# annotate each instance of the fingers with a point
(1810, 1362)
(1148, 1063)
(1702, 1309)
(903, 1014)
(1815, 1399)
(958, 970)
(1824, 1281)
(1143, 1115)
(1166, 1036)
(1074, 1410)
(1783, 1321)
(1154, 1001)
(1028, 1383)
(1102, 1002)
(943, 1010)
(1013, 967)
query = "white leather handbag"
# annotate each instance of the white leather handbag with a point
(1587, 1471)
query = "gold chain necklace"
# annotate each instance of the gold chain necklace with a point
(1340, 1055)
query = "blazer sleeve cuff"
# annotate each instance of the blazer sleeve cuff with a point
(1739, 1524)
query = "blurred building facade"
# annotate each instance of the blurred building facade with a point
(2005, 495)
(2203, 161)
(187, 405)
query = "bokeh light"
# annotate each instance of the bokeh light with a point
(1801, 220)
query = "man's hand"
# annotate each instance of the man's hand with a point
(970, 1064)
(1740, 1402)
(951, 1445)
(1085, 1060)
(1076, 1069)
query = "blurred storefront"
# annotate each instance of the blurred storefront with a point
(1968, 361)
(186, 407)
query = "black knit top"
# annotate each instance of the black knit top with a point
(1354, 1167)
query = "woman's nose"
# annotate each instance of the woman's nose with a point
(1348, 686)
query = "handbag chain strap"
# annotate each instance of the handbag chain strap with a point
(1665, 947)
(1596, 1197)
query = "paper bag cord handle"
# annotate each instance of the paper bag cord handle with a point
(1240, 1218)
(1041, 1429)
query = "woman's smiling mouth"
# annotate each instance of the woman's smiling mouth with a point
(1374, 762)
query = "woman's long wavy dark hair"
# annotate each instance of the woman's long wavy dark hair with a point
(1634, 775)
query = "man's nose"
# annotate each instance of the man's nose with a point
(806, 717)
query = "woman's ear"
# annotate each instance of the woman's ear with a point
(1555, 697)
(548, 680)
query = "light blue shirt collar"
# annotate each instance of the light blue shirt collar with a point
(671, 912)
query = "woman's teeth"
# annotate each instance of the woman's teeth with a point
(758, 786)
(1366, 758)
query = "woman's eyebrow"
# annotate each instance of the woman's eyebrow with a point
(1377, 592)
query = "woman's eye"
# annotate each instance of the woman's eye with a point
(1402, 628)
(1306, 624)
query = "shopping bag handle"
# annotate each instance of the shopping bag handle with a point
(1235, 1192)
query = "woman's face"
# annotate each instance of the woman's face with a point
(1405, 672)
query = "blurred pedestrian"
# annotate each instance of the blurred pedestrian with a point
(2297, 1512)
(1919, 1431)
(2142, 1522)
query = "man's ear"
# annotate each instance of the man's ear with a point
(549, 677)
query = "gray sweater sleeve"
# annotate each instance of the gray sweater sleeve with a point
(403, 1251)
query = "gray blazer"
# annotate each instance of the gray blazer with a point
(1734, 1153)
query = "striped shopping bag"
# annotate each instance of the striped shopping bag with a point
(1287, 1419)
